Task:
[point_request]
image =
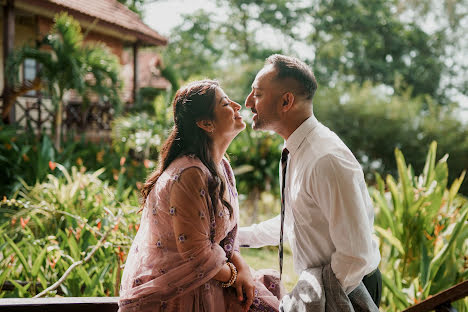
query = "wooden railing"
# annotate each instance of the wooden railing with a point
(440, 302)
(67, 304)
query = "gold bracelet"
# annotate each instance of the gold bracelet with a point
(233, 278)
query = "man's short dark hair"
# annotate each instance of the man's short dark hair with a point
(291, 67)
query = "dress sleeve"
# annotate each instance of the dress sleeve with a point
(191, 223)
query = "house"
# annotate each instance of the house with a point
(107, 21)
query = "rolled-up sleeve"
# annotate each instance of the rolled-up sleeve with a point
(341, 195)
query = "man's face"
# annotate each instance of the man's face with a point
(265, 99)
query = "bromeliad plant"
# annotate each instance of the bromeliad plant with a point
(75, 222)
(422, 224)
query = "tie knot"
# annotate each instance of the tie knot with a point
(284, 155)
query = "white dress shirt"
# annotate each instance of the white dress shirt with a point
(329, 214)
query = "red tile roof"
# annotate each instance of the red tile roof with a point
(111, 12)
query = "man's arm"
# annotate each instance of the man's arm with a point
(261, 234)
(342, 196)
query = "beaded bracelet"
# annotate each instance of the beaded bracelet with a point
(233, 278)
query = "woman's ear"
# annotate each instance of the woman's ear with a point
(206, 125)
(288, 100)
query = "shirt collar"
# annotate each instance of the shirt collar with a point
(296, 138)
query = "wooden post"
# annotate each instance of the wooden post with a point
(135, 72)
(8, 45)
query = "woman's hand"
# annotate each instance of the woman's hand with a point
(244, 283)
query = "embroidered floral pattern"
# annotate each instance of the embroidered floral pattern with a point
(202, 193)
(200, 275)
(172, 211)
(256, 302)
(182, 238)
(228, 247)
(159, 244)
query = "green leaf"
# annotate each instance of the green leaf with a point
(424, 264)
(384, 211)
(22, 290)
(387, 235)
(428, 172)
(444, 252)
(84, 276)
(19, 254)
(402, 298)
(74, 249)
(405, 180)
(455, 187)
(3, 276)
(38, 262)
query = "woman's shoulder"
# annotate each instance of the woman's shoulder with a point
(182, 163)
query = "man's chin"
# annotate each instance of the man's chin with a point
(256, 125)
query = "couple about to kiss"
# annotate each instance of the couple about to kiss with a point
(186, 255)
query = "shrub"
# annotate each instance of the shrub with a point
(372, 121)
(423, 229)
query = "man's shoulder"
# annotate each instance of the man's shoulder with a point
(324, 146)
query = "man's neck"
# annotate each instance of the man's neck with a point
(291, 124)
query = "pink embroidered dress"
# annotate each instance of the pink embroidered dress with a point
(180, 247)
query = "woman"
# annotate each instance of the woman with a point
(185, 256)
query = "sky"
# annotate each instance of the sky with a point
(162, 15)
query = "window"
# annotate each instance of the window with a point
(30, 73)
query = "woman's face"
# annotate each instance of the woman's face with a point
(228, 121)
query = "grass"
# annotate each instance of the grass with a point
(267, 258)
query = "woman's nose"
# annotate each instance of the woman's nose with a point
(236, 106)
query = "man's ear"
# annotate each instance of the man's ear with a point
(288, 101)
(206, 125)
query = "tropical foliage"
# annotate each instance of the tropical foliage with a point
(52, 225)
(423, 230)
(58, 223)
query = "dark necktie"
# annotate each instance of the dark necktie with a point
(284, 164)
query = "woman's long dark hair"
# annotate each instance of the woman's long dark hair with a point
(192, 103)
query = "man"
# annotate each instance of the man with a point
(328, 214)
